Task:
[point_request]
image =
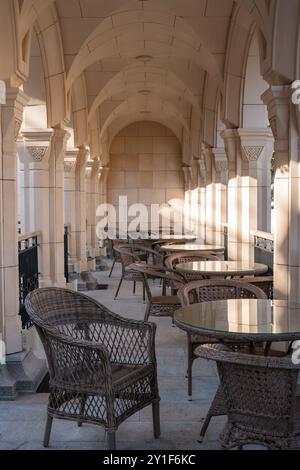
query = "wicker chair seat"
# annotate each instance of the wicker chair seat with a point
(94, 380)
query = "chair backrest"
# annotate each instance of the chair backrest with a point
(259, 391)
(127, 256)
(188, 257)
(175, 279)
(265, 283)
(210, 290)
(62, 316)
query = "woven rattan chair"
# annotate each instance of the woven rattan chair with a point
(129, 255)
(102, 367)
(165, 305)
(188, 257)
(265, 283)
(116, 256)
(260, 393)
(207, 291)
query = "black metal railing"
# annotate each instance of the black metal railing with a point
(66, 252)
(264, 249)
(28, 272)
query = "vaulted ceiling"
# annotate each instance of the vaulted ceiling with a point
(139, 60)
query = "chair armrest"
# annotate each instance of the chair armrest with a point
(76, 363)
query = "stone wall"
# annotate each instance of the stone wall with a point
(145, 165)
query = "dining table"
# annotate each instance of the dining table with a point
(242, 320)
(238, 323)
(223, 269)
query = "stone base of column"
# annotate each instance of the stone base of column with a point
(22, 373)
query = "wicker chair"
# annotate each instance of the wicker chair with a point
(102, 367)
(260, 393)
(165, 305)
(265, 283)
(187, 257)
(130, 254)
(207, 291)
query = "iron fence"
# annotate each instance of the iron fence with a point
(28, 272)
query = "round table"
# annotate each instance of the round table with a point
(242, 320)
(192, 247)
(222, 268)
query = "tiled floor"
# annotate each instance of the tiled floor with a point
(22, 422)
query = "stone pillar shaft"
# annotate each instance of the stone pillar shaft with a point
(70, 202)
(10, 122)
(245, 149)
(80, 204)
(283, 116)
(220, 181)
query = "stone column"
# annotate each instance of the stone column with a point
(80, 204)
(92, 207)
(11, 115)
(69, 204)
(187, 173)
(220, 181)
(57, 152)
(104, 171)
(34, 152)
(210, 228)
(257, 149)
(283, 119)
(245, 150)
(202, 199)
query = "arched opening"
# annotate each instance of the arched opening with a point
(255, 117)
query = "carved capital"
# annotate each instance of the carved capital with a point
(251, 153)
(69, 166)
(37, 153)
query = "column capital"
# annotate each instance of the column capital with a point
(220, 164)
(254, 142)
(202, 172)
(33, 146)
(187, 174)
(278, 100)
(82, 157)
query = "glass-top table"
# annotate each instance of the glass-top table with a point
(192, 247)
(252, 320)
(222, 268)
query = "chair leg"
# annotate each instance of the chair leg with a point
(119, 286)
(134, 287)
(204, 427)
(112, 268)
(156, 419)
(147, 313)
(48, 431)
(144, 293)
(111, 440)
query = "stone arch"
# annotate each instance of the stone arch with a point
(80, 111)
(48, 31)
(143, 30)
(254, 113)
(140, 78)
(135, 106)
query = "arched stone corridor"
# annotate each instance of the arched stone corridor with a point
(156, 101)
